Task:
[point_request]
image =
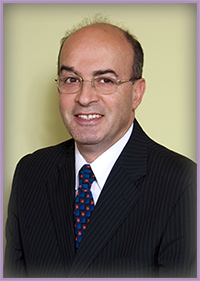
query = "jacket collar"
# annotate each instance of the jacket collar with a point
(60, 190)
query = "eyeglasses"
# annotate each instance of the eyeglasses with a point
(70, 84)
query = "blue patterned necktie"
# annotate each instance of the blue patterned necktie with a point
(84, 203)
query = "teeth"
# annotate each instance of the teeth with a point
(90, 116)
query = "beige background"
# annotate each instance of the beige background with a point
(32, 33)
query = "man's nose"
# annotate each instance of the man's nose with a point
(87, 94)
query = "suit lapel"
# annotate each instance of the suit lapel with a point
(60, 189)
(118, 197)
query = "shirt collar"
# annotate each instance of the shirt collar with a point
(103, 165)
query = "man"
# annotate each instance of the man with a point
(140, 196)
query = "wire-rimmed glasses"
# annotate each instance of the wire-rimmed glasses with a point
(70, 84)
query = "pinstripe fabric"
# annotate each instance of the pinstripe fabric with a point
(144, 223)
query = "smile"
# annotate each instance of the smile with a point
(89, 117)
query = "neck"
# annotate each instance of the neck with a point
(91, 152)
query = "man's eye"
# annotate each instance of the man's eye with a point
(106, 80)
(70, 80)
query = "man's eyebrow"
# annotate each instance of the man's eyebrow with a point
(95, 73)
(101, 72)
(67, 68)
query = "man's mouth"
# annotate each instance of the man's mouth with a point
(89, 116)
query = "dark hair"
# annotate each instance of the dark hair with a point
(137, 48)
(138, 55)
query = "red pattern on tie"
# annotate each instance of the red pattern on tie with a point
(84, 203)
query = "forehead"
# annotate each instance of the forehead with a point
(97, 46)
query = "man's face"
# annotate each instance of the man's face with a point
(96, 121)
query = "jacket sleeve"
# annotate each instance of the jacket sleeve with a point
(14, 264)
(177, 254)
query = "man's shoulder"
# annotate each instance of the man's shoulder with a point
(161, 160)
(170, 164)
(168, 155)
(157, 151)
(47, 156)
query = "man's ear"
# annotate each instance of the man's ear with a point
(58, 90)
(138, 92)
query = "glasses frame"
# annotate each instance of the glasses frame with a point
(117, 82)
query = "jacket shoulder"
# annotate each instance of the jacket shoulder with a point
(171, 163)
(44, 160)
(163, 162)
(52, 152)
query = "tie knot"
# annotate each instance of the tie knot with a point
(86, 176)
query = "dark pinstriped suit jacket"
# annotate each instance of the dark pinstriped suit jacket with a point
(144, 224)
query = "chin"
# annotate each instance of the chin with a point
(86, 141)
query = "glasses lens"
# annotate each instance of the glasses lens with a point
(105, 85)
(69, 84)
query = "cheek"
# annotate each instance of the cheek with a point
(65, 108)
(120, 112)
(124, 103)
(62, 108)
(65, 105)
(61, 105)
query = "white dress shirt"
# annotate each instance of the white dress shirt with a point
(101, 166)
